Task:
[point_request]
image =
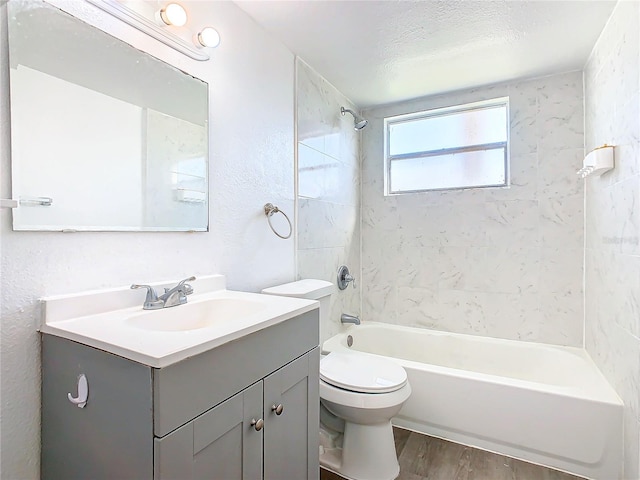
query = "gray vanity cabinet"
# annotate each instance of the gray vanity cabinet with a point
(245, 437)
(245, 410)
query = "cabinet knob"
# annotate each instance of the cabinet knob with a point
(257, 424)
(277, 408)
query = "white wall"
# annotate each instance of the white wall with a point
(328, 191)
(502, 262)
(251, 80)
(612, 221)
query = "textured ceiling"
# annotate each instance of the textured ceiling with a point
(378, 52)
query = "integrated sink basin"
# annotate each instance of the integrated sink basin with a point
(114, 320)
(194, 316)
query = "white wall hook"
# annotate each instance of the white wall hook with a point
(83, 392)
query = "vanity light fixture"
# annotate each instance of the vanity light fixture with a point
(172, 14)
(208, 37)
(153, 28)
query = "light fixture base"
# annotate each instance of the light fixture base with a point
(149, 27)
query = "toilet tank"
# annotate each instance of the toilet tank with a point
(310, 289)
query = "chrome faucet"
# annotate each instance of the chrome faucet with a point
(346, 318)
(171, 296)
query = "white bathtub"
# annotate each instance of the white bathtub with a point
(541, 403)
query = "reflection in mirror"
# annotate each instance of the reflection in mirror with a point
(115, 137)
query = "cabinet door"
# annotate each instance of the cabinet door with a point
(112, 436)
(220, 444)
(291, 438)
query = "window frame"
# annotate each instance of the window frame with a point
(437, 112)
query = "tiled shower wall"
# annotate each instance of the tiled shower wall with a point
(328, 191)
(612, 263)
(502, 262)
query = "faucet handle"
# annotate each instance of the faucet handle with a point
(186, 288)
(151, 299)
(190, 279)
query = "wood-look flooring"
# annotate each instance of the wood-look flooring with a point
(428, 458)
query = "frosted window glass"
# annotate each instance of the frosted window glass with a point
(454, 147)
(449, 130)
(456, 170)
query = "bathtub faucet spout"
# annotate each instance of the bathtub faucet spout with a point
(346, 318)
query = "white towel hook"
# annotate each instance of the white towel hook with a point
(83, 392)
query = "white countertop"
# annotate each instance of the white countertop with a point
(88, 319)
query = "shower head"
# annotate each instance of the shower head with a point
(358, 122)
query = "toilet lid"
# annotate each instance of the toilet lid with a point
(362, 373)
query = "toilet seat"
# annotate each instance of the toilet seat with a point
(361, 373)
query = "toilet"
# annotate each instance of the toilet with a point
(359, 394)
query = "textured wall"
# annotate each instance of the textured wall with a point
(612, 260)
(251, 76)
(328, 191)
(502, 262)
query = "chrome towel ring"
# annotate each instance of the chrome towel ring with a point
(269, 210)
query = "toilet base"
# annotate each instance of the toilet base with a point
(367, 453)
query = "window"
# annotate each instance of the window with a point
(448, 148)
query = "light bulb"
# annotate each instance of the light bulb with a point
(174, 14)
(208, 37)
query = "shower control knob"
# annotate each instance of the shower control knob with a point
(278, 409)
(257, 424)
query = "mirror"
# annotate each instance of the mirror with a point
(104, 137)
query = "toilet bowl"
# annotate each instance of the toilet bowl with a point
(365, 392)
(359, 394)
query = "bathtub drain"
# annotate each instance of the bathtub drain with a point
(349, 340)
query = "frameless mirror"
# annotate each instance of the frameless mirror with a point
(103, 136)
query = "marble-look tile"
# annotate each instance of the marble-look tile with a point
(445, 225)
(561, 96)
(324, 224)
(626, 53)
(452, 198)
(619, 297)
(594, 223)
(380, 213)
(417, 307)
(600, 123)
(561, 222)
(561, 317)
(320, 124)
(329, 177)
(461, 268)
(379, 257)
(477, 254)
(622, 369)
(524, 110)
(463, 312)
(621, 227)
(515, 316)
(378, 305)
(626, 140)
(560, 269)
(557, 172)
(513, 222)
(328, 180)
(523, 172)
(560, 122)
(512, 269)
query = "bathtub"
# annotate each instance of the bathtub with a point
(541, 403)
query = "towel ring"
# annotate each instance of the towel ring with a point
(269, 210)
